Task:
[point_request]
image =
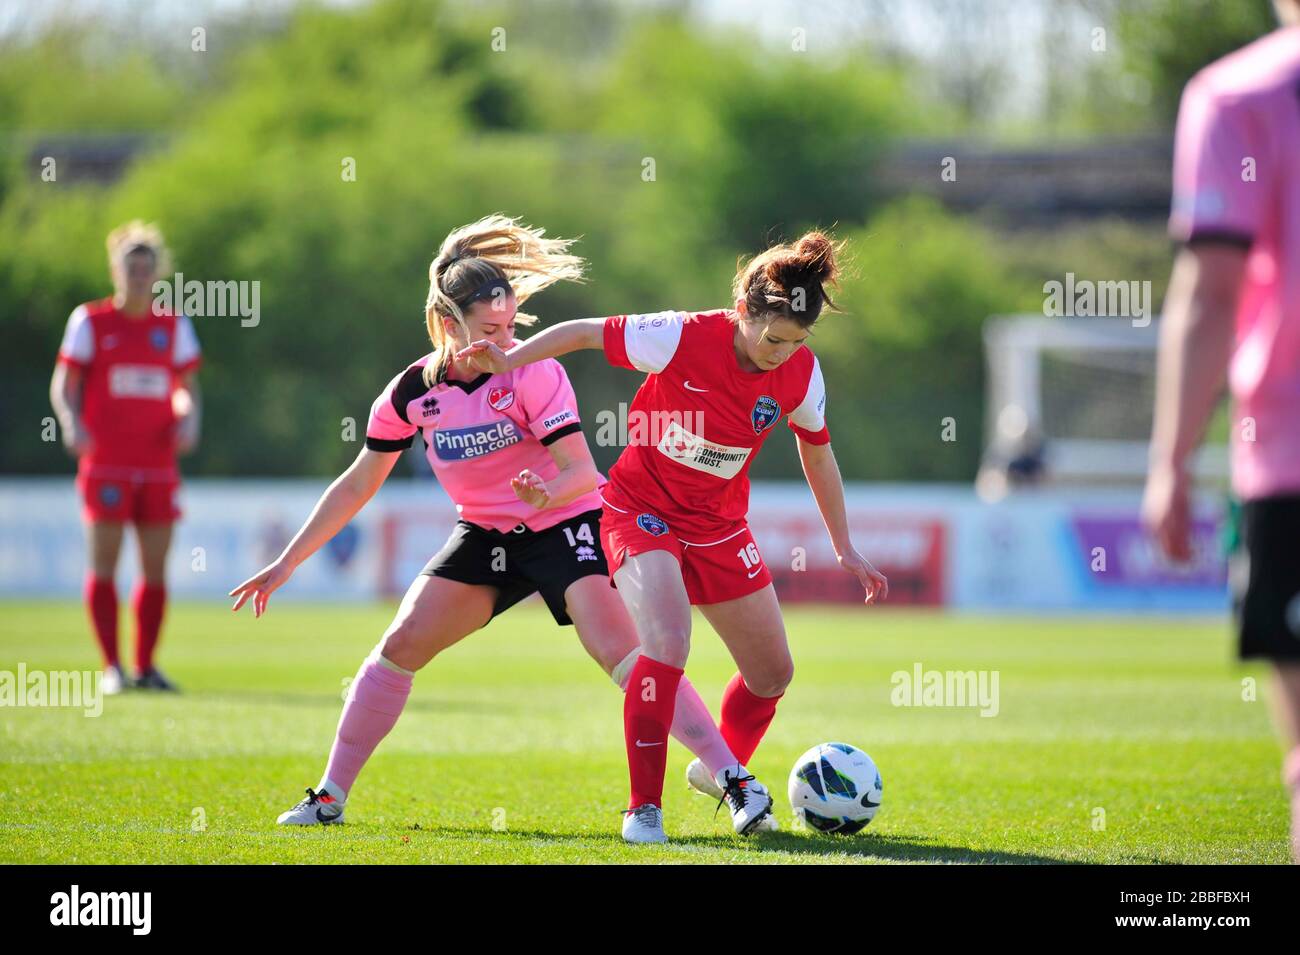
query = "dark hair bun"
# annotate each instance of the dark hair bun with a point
(790, 280)
(815, 253)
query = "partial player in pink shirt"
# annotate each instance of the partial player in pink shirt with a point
(1233, 310)
(509, 451)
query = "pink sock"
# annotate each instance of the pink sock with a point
(375, 701)
(694, 728)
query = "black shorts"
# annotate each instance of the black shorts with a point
(521, 562)
(1264, 573)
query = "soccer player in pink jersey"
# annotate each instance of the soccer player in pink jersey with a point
(509, 450)
(675, 507)
(125, 392)
(1233, 309)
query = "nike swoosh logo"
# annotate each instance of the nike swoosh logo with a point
(689, 387)
(755, 573)
(642, 745)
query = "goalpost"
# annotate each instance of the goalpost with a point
(1070, 401)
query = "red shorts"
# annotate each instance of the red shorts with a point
(129, 500)
(725, 566)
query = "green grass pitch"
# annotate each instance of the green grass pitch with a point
(1117, 740)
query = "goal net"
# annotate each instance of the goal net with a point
(1070, 401)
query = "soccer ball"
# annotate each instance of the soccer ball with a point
(835, 787)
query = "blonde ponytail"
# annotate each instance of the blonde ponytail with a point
(496, 247)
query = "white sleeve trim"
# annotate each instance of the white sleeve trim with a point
(78, 338)
(186, 346)
(651, 340)
(811, 414)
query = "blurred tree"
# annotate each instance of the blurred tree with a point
(747, 143)
(1165, 42)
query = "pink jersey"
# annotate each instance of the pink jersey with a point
(479, 434)
(1237, 179)
(698, 418)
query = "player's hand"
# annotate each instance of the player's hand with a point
(531, 489)
(187, 421)
(484, 355)
(873, 581)
(261, 586)
(76, 438)
(1166, 511)
(187, 434)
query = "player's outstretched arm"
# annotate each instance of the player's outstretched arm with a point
(549, 343)
(823, 475)
(338, 505)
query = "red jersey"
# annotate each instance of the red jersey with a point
(132, 367)
(698, 418)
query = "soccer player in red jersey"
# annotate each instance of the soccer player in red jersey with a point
(674, 523)
(126, 396)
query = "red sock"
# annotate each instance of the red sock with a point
(101, 601)
(147, 601)
(647, 714)
(745, 718)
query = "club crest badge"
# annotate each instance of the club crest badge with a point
(765, 413)
(501, 398)
(158, 339)
(652, 525)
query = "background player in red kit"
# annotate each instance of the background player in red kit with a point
(674, 523)
(127, 400)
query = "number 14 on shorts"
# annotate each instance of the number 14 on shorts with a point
(583, 534)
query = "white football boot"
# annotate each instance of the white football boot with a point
(645, 823)
(113, 681)
(699, 780)
(748, 799)
(318, 809)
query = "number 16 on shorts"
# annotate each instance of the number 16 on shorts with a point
(751, 558)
